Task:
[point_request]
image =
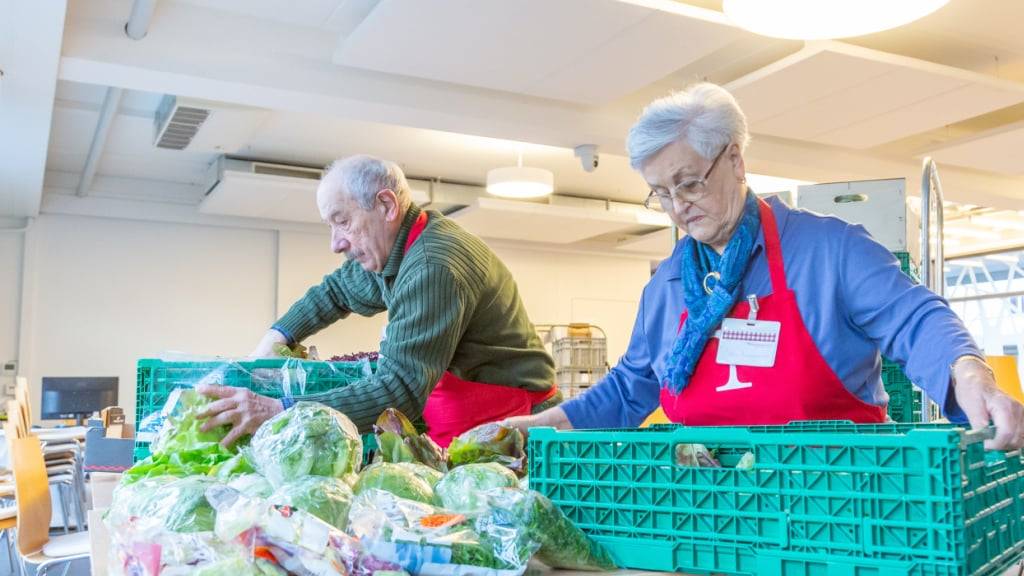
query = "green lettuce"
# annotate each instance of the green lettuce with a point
(308, 439)
(395, 479)
(462, 489)
(490, 443)
(329, 499)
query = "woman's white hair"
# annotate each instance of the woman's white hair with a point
(361, 177)
(705, 115)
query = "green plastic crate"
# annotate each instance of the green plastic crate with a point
(270, 377)
(908, 266)
(823, 499)
(905, 399)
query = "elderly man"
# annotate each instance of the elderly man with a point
(458, 348)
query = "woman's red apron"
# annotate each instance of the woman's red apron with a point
(456, 405)
(800, 386)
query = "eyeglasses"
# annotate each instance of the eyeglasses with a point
(689, 190)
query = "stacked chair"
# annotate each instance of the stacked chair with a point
(33, 474)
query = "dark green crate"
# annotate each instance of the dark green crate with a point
(156, 379)
(908, 266)
(824, 499)
(905, 399)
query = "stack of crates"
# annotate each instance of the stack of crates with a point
(272, 377)
(821, 498)
(580, 359)
(905, 399)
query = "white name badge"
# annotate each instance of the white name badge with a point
(748, 342)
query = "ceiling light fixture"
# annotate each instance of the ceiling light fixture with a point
(520, 181)
(825, 19)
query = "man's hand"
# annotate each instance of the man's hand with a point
(268, 346)
(982, 401)
(243, 409)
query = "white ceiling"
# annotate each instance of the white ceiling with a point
(565, 50)
(860, 98)
(998, 150)
(453, 88)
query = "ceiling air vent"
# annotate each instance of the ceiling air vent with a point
(284, 170)
(176, 124)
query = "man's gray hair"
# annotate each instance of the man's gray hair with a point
(705, 115)
(361, 177)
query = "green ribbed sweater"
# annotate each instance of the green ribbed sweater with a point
(452, 305)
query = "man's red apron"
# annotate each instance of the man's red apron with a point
(800, 386)
(456, 405)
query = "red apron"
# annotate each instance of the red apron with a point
(800, 386)
(456, 405)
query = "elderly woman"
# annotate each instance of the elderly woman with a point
(765, 314)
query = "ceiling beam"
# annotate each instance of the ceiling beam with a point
(30, 45)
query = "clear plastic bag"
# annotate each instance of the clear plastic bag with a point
(400, 480)
(429, 541)
(561, 543)
(329, 499)
(308, 439)
(290, 539)
(490, 443)
(252, 485)
(163, 503)
(463, 489)
(140, 550)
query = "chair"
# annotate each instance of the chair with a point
(64, 472)
(8, 517)
(32, 491)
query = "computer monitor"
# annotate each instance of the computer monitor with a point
(77, 397)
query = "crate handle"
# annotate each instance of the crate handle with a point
(973, 436)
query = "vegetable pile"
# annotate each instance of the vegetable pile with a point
(294, 499)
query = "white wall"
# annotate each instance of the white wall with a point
(107, 292)
(10, 295)
(104, 292)
(304, 260)
(562, 287)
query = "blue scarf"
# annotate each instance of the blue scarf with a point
(706, 311)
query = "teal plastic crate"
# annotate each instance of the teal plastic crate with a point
(823, 499)
(908, 266)
(905, 399)
(156, 379)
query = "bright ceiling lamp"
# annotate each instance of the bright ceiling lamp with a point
(825, 19)
(520, 181)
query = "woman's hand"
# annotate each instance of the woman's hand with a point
(983, 402)
(551, 418)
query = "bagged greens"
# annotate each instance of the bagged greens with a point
(562, 544)
(252, 485)
(463, 489)
(424, 539)
(181, 430)
(308, 439)
(399, 441)
(236, 465)
(746, 462)
(695, 455)
(173, 504)
(326, 498)
(289, 539)
(180, 448)
(396, 479)
(151, 551)
(428, 474)
(490, 443)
